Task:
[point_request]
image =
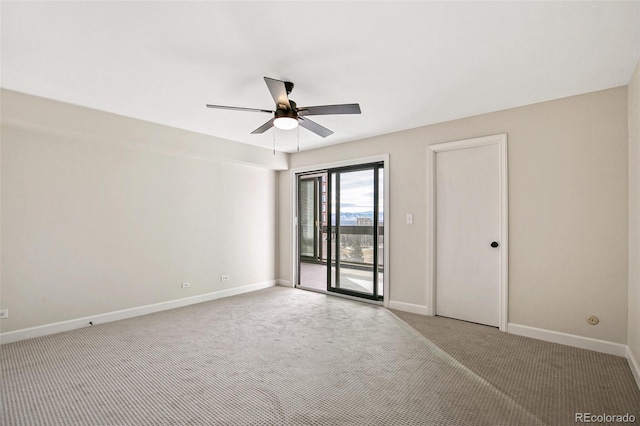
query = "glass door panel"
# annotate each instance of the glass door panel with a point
(354, 222)
(307, 218)
(312, 232)
(332, 231)
(380, 232)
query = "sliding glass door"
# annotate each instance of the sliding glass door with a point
(340, 230)
(312, 233)
(355, 225)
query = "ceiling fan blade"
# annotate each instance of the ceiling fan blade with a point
(239, 108)
(314, 127)
(278, 91)
(266, 126)
(330, 109)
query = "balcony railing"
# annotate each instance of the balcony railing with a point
(356, 246)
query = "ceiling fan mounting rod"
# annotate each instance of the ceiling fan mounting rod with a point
(288, 87)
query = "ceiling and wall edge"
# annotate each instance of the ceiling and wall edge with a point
(46, 115)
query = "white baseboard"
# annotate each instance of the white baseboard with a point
(44, 330)
(284, 283)
(634, 366)
(569, 339)
(238, 290)
(409, 307)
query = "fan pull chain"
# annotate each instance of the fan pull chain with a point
(298, 138)
(274, 141)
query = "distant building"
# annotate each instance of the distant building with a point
(364, 221)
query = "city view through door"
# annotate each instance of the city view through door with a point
(341, 217)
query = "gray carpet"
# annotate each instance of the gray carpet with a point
(276, 356)
(551, 381)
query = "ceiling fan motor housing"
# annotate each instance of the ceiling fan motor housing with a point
(283, 111)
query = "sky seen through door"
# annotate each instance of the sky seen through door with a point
(356, 194)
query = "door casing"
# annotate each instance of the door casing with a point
(432, 150)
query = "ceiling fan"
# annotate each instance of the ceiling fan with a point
(288, 115)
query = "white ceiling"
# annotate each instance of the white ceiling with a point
(408, 64)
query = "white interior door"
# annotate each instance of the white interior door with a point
(468, 223)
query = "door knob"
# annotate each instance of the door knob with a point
(494, 244)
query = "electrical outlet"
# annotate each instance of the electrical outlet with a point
(593, 320)
(224, 277)
(4, 313)
(185, 285)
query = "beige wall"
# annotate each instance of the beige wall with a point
(102, 213)
(567, 209)
(634, 215)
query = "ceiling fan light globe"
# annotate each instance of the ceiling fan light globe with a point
(285, 123)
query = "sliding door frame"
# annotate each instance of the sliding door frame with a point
(293, 177)
(375, 168)
(317, 228)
